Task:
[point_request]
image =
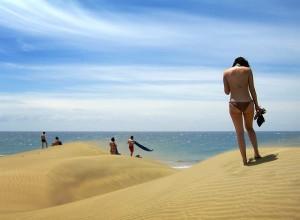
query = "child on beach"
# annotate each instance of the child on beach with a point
(44, 140)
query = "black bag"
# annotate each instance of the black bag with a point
(259, 117)
(260, 120)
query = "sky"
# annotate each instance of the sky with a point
(155, 65)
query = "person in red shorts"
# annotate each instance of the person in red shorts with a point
(131, 145)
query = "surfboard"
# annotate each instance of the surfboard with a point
(142, 146)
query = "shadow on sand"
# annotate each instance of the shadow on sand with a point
(264, 159)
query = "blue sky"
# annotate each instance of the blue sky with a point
(143, 65)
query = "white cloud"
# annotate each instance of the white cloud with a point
(143, 82)
(146, 82)
(199, 36)
(38, 112)
(131, 105)
(140, 97)
(114, 73)
(53, 113)
(70, 21)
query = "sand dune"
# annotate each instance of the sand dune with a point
(219, 188)
(58, 175)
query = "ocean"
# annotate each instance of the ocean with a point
(178, 149)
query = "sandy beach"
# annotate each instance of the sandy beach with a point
(79, 181)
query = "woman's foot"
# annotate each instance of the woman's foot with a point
(257, 157)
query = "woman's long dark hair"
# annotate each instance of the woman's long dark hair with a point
(241, 61)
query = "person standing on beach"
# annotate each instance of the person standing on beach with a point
(131, 145)
(113, 147)
(238, 82)
(44, 140)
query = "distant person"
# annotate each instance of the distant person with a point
(113, 147)
(238, 82)
(131, 143)
(44, 140)
(56, 142)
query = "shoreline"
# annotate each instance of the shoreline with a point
(175, 164)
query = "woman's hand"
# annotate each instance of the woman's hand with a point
(259, 111)
(258, 108)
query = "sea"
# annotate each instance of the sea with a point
(177, 149)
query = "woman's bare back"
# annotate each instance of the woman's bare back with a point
(237, 80)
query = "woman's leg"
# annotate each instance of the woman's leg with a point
(237, 119)
(131, 151)
(248, 118)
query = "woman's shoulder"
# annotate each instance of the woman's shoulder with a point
(245, 68)
(228, 69)
(231, 69)
(237, 69)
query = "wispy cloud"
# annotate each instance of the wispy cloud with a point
(69, 20)
(33, 112)
(201, 36)
(114, 82)
(65, 63)
(143, 82)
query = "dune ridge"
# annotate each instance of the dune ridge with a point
(75, 171)
(218, 188)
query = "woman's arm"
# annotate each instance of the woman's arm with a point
(226, 85)
(252, 91)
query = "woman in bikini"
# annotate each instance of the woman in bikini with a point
(238, 82)
(131, 145)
